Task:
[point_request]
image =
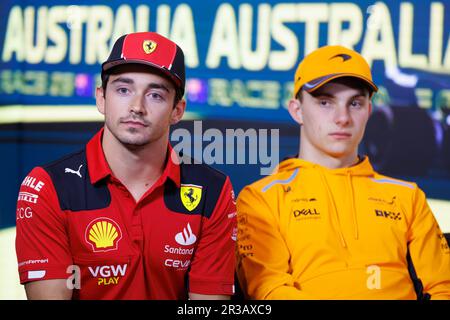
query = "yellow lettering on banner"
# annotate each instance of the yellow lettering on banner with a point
(57, 52)
(437, 7)
(379, 43)
(218, 92)
(287, 58)
(142, 18)
(76, 16)
(312, 15)
(14, 38)
(447, 58)
(436, 35)
(163, 21)
(405, 42)
(123, 22)
(224, 41)
(254, 60)
(183, 33)
(340, 13)
(34, 53)
(99, 30)
(248, 94)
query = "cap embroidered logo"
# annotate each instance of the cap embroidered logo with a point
(344, 57)
(149, 46)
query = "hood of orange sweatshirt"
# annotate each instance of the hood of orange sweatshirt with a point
(362, 169)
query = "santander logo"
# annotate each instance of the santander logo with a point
(186, 237)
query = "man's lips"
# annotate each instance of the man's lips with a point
(340, 135)
(134, 123)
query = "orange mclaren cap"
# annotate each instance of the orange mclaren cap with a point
(328, 63)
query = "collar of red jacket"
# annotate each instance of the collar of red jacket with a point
(99, 168)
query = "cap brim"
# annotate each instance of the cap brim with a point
(317, 83)
(109, 65)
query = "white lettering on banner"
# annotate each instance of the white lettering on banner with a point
(249, 36)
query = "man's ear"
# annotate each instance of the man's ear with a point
(100, 100)
(178, 112)
(296, 111)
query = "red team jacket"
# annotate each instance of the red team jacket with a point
(76, 221)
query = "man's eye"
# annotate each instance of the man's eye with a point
(122, 90)
(324, 103)
(156, 96)
(356, 104)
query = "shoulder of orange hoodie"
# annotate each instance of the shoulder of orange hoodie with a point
(281, 177)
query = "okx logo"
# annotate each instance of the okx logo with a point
(186, 237)
(388, 214)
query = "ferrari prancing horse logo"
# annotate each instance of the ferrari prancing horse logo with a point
(191, 195)
(149, 46)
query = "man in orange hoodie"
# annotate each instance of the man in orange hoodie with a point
(325, 225)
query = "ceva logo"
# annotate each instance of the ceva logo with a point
(186, 237)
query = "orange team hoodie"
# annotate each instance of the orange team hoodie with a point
(309, 232)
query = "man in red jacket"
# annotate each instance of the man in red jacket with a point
(122, 214)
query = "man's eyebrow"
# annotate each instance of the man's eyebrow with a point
(123, 80)
(322, 94)
(152, 85)
(329, 95)
(359, 94)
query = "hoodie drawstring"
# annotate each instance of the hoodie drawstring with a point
(330, 196)
(352, 196)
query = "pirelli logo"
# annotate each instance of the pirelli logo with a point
(28, 197)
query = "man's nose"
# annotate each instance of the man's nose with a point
(342, 115)
(137, 104)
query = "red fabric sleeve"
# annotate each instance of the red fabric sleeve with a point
(42, 244)
(212, 269)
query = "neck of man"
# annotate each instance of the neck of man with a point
(137, 167)
(312, 154)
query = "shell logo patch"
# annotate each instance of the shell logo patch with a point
(103, 234)
(149, 46)
(191, 195)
